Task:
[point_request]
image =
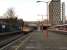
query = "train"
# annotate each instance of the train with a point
(8, 28)
(27, 29)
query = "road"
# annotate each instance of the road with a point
(43, 41)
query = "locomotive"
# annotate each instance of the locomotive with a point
(11, 25)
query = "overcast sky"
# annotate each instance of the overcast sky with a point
(28, 10)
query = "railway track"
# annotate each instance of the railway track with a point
(7, 39)
(15, 42)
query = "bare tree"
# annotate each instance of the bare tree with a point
(10, 13)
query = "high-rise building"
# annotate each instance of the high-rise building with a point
(55, 12)
(63, 13)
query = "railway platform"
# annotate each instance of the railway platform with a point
(46, 41)
(36, 42)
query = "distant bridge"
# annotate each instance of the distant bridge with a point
(33, 25)
(39, 26)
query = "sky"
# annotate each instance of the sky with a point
(28, 10)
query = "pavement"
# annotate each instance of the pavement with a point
(46, 41)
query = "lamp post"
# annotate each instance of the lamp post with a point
(46, 33)
(47, 12)
(41, 22)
